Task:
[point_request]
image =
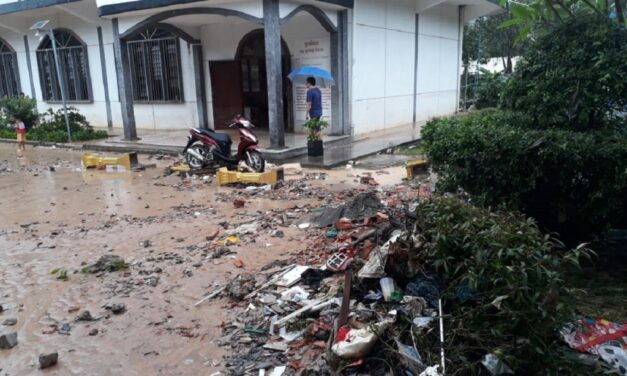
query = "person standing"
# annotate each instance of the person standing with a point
(20, 130)
(314, 100)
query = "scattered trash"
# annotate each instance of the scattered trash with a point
(599, 337)
(292, 276)
(238, 263)
(387, 287)
(356, 343)
(496, 366)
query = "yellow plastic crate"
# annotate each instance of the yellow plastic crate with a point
(415, 167)
(127, 161)
(230, 177)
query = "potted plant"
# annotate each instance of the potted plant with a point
(314, 136)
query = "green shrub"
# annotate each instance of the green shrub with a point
(573, 183)
(574, 75)
(51, 128)
(503, 287)
(24, 108)
(490, 89)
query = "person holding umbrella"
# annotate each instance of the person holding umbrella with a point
(311, 76)
(314, 100)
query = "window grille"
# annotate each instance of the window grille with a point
(155, 63)
(9, 75)
(73, 65)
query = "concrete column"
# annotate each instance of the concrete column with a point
(342, 31)
(105, 80)
(33, 94)
(125, 88)
(272, 38)
(339, 70)
(336, 92)
(201, 92)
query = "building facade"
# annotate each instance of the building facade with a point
(170, 64)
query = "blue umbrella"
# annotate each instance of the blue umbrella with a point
(323, 78)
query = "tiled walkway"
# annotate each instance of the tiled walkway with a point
(338, 149)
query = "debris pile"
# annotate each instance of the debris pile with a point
(391, 283)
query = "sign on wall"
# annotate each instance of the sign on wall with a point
(315, 52)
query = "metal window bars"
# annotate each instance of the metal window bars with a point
(9, 76)
(156, 70)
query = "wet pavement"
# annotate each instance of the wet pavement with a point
(55, 216)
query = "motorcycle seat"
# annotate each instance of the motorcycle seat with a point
(222, 138)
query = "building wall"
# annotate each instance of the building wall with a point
(220, 42)
(383, 47)
(95, 111)
(438, 62)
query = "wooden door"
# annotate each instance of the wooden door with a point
(226, 92)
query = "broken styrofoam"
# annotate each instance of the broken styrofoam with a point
(292, 276)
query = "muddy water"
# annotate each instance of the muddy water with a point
(67, 217)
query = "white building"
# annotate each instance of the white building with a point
(168, 64)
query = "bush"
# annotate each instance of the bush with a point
(51, 128)
(485, 88)
(24, 108)
(503, 287)
(490, 89)
(573, 183)
(573, 76)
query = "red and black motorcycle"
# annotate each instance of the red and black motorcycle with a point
(206, 148)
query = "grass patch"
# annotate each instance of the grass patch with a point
(415, 150)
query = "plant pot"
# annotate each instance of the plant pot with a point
(315, 148)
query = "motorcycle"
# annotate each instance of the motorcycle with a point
(206, 148)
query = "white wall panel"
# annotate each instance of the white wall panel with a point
(428, 63)
(369, 63)
(369, 115)
(398, 110)
(370, 12)
(399, 63)
(400, 15)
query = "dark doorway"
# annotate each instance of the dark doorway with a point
(240, 86)
(226, 92)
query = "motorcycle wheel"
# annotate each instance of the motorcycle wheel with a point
(255, 160)
(192, 161)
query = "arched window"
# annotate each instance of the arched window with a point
(155, 66)
(73, 65)
(9, 77)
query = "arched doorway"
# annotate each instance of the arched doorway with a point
(241, 86)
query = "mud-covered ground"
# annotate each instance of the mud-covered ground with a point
(54, 215)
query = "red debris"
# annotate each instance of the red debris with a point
(239, 203)
(238, 263)
(344, 224)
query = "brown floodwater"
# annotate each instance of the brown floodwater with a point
(69, 217)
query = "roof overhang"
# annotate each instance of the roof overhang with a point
(20, 6)
(132, 6)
